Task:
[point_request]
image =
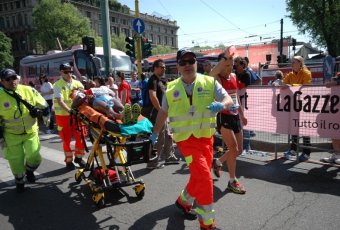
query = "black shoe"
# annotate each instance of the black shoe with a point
(80, 162)
(30, 176)
(70, 166)
(20, 187)
(172, 161)
(187, 210)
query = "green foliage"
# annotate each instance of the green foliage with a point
(53, 20)
(113, 5)
(118, 42)
(319, 18)
(201, 48)
(6, 58)
(162, 50)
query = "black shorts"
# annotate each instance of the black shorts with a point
(229, 122)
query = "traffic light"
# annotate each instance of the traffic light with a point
(130, 46)
(279, 59)
(146, 48)
(294, 43)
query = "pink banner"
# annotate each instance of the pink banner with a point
(303, 111)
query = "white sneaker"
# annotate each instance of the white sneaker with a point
(333, 158)
(49, 131)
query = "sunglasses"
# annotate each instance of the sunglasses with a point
(184, 62)
(11, 78)
(66, 72)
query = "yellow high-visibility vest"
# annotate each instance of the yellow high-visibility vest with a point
(11, 119)
(202, 122)
(65, 92)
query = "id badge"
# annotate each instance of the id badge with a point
(192, 110)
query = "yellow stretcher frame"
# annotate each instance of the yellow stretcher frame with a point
(136, 152)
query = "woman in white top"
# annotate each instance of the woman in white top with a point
(47, 92)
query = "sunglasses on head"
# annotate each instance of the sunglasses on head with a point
(67, 72)
(11, 78)
(191, 61)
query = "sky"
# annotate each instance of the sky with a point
(212, 22)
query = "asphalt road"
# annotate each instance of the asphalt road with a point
(280, 194)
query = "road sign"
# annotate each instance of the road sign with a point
(328, 67)
(138, 25)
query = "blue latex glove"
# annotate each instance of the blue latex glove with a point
(153, 138)
(215, 107)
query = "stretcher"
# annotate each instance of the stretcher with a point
(126, 145)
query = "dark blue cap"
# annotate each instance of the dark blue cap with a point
(7, 73)
(181, 52)
(65, 66)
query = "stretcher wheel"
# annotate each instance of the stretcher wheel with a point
(140, 190)
(78, 179)
(141, 194)
(101, 203)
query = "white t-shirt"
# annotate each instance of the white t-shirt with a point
(134, 84)
(46, 88)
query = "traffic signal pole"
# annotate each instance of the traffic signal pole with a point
(138, 43)
(104, 12)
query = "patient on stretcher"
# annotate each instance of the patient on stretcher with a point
(102, 100)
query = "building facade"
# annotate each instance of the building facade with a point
(16, 22)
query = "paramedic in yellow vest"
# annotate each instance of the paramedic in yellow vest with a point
(190, 104)
(62, 106)
(19, 129)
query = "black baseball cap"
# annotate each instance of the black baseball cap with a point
(181, 52)
(65, 66)
(7, 73)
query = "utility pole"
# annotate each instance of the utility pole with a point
(281, 38)
(138, 42)
(104, 12)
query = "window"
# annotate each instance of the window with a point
(23, 3)
(13, 19)
(114, 19)
(171, 31)
(172, 42)
(165, 40)
(151, 37)
(100, 30)
(124, 21)
(150, 27)
(26, 19)
(158, 39)
(23, 43)
(0, 7)
(2, 23)
(165, 30)
(17, 4)
(88, 14)
(7, 22)
(114, 30)
(99, 16)
(159, 29)
(20, 23)
(15, 45)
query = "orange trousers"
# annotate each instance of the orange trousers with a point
(198, 154)
(65, 131)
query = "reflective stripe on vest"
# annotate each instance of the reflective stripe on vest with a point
(27, 125)
(18, 120)
(195, 116)
(202, 122)
(193, 128)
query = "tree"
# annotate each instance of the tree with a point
(53, 19)
(118, 42)
(319, 18)
(162, 50)
(6, 58)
